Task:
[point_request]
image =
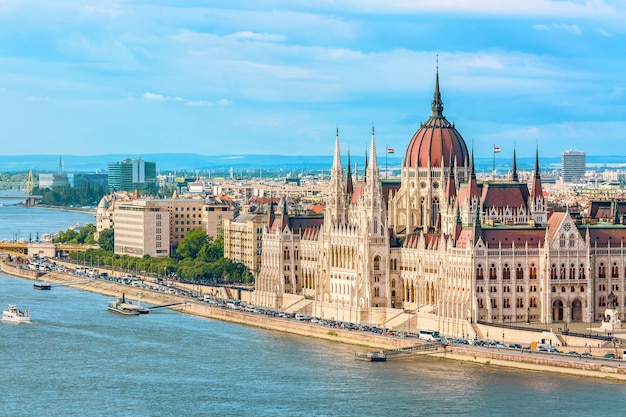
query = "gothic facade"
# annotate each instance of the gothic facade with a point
(442, 247)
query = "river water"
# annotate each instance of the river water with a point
(77, 359)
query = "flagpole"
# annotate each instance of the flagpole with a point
(386, 155)
(494, 161)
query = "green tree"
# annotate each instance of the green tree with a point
(191, 244)
(106, 239)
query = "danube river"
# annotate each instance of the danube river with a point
(77, 359)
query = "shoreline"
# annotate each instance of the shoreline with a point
(531, 362)
(63, 208)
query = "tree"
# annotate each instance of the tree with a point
(191, 244)
(106, 239)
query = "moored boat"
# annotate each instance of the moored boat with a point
(13, 314)
(42, 286)
(124, 306)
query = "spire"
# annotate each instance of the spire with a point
(271, 216)
(337, 155)
(437, 105)
(284, 219)
(537, 191)
(365, 168)
(373, 151)
(472, 185)
(451, 185)
(349, 184)
(514, 176)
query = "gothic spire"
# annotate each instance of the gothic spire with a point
(437, 105)
(514, 176)
(337, 155)
(349, 184)
(373, 151)
(537, 190)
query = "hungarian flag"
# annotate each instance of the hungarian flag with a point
(496, 149)
(389, 150)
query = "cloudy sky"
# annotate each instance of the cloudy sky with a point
(277, 77)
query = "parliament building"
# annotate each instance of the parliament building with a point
(440, 249)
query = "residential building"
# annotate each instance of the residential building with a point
(243, 239)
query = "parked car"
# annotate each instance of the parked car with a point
(609, 356)
(586, 354)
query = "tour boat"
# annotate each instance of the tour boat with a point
(15, 315)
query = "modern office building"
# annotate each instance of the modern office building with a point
(142, 227)
(132, 174)
(573, 165)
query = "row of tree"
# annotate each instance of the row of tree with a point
(197, 258)
(85, 195)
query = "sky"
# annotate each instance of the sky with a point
(279, 77)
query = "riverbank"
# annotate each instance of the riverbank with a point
(63, 208)
(528, 361)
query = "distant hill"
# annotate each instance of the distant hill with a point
(180, 162)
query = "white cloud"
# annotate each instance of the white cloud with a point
(562, 9)
(198, 103)
(153, 97)
(606, 33)
(262, 37)
(571, 29)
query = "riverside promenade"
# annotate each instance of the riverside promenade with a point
(523, 359)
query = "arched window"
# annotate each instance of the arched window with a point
(376, 263)
(553, 271)
(479, 272)
(506, 272)
(519, 273)
(533, 271)
(572, 271)
(601, 271)
(614, 271)
(492, 272)
(562, 272)
(581, 271)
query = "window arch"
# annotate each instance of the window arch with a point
(506, 272)
(376, 263)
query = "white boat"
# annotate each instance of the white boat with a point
(15, 315)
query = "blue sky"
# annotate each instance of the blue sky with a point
(277, 77)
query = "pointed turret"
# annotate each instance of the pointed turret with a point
(472, 185)
(451, 185)
(336, 205)
(373, 151)
(337, 155)
(537, 191)
(284, 218)
(514, 176)
(349, 183)
(271, 216)
(437, 105)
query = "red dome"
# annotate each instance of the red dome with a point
(435, 140)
